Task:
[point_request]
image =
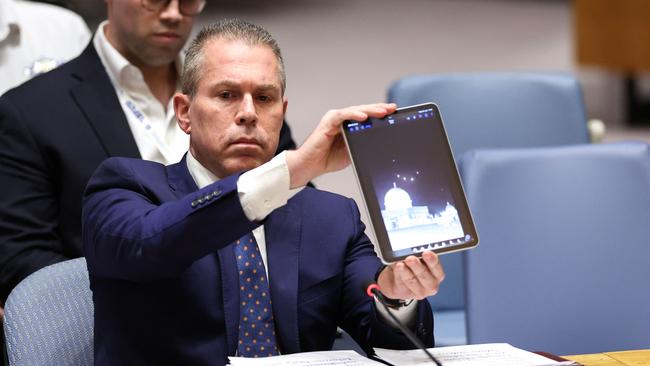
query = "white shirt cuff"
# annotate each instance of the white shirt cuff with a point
(265, 188)
(406, 314)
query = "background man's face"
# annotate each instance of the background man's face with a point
(147, 37)
(236, 113)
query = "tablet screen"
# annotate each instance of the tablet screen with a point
(410, 183)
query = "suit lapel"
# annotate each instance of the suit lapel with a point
(180, 179)
(282, 231)
(98, 101)
(230, 285)
(182, 183)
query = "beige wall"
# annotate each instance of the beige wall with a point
(339, 53)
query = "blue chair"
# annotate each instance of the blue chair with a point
(564, 260)
(492, 110)
(49, 317)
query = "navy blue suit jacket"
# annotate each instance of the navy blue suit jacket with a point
(164, 278)
(54, 131)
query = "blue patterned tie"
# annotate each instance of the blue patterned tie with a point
(256, 325)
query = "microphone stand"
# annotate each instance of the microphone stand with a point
(407, 332)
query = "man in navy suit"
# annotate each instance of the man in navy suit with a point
(170, 248)
(112, 100)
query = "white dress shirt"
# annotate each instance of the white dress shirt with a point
(153, 125)
(35, 38)
(262, 190)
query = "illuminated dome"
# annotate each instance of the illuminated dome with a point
(397, 199)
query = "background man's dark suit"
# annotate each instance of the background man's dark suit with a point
(164, 275)
(54, 131)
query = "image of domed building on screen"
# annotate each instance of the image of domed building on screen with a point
(410, 226)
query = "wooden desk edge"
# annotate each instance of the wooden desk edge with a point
(620, 358)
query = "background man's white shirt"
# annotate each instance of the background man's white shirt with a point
(152, 125)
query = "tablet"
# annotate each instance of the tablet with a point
(410, 184)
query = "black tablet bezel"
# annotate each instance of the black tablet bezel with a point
(371, 201)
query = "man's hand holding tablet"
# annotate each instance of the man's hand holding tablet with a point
(410, 183)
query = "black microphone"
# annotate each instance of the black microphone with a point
(372, 289)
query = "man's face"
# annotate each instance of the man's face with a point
(235, 116)
(145, 37)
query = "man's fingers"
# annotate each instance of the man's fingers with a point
(377, 109)
(335, 117)
(324, 150)
(405, 279)
(409, 278)
(420, 277)
(424, 283)
(432, 261)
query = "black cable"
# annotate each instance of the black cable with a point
(407, 332)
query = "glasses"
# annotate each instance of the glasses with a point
(186, 7)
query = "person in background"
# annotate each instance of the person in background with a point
(227, 252)
(35, 38)
(115, 99)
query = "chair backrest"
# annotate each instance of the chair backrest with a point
(493, 110)
(49, 317)
(564, 260)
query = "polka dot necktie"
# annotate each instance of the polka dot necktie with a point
(256, 325)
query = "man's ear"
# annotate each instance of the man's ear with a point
(182, 111)
(285, 103)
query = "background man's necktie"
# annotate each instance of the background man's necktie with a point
(256, 325)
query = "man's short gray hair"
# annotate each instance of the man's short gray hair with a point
(229, 29)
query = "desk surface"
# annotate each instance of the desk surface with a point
(624, 358)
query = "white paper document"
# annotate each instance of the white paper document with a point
(492, 354)
(326, 358)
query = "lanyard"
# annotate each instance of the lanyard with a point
(145, 126)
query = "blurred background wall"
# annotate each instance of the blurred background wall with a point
(344, 52)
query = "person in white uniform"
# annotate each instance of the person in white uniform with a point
(35, 38)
